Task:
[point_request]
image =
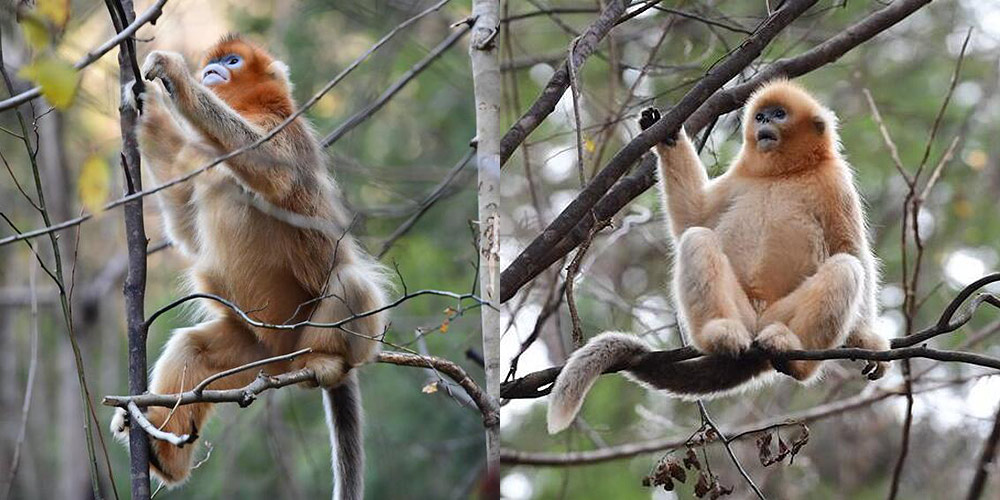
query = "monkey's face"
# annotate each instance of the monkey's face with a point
(220, 70)
(768, 122)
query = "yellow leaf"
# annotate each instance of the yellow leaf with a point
(430, 388)
(963, 209)
(57, 78)
(444, 326)
(35, 31)
(977, 159)
(448, 311)
(589, 145)
(94, 183)
(56, 11)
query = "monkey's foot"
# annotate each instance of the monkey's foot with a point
(866, 339)
(330, 369)
(776, 338)
(171, 464)
(726, 337)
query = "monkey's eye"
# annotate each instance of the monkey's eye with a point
(759, 117)
(779, 113)
(233, 60)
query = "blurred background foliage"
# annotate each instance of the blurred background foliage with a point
(623, 281)
(419, 445)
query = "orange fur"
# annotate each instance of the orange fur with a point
(281, 272)
(774, 251)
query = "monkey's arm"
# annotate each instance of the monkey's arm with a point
(273, 168)
(167, 151)
(845, 233)
(690, 198)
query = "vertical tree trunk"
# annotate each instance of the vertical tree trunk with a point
(135, 280)
(486, 83)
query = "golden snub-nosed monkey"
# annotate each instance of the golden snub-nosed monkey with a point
(223, 221)
(773, 253)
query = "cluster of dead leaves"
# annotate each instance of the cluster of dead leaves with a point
(767, 455)
(670, 469)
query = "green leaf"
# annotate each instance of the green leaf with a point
(57, 78)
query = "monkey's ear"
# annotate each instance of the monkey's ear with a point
(819, 124)
(280, 71)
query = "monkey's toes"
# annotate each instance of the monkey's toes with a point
(119, 424)
(329, 369)
(875, 370)
(726, 337)
(648, 117)
(776, 338)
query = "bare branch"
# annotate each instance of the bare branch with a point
(545, 104)
(412, 73)
(247, 395)
(632, 449)
(986, 460)
(534, 385)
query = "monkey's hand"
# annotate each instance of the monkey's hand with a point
(168, 67)
(650, 116)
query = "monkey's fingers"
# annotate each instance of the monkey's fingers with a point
(648, 117)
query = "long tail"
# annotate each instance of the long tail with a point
(702, 377)
(345, 419)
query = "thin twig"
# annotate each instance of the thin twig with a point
(369, 110)
(136, 418)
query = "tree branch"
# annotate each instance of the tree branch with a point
(248, 394)
(632, 449)
(535, 385)
(545, 104)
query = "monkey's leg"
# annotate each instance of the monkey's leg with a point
(352, 292)
(190, 356)
(816, 315)
(710, 297)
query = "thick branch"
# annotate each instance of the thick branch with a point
(545, 104)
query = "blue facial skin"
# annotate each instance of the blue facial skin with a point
(766, 122)
(219, 70)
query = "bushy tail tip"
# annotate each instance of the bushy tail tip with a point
(607, 350)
